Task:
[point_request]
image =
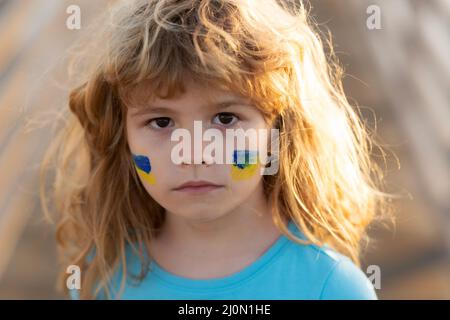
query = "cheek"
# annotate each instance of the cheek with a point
(147, 156)
(153, 170)
(245, 165)
(245, 173)
(243, 181)
(144, 168)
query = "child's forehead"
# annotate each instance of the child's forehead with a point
(207, 93)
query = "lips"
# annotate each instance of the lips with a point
(198, 186)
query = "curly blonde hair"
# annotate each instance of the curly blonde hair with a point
(266, 50)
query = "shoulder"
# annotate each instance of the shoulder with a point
(74, 294)
(347, 281)
(330, 274)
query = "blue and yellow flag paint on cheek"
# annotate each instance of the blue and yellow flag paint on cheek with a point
(245, 164)
(144, 168)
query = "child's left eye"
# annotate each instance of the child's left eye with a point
(225, 118)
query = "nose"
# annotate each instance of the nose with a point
(197, 146)
(206, 160)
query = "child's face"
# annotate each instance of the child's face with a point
(149, 133)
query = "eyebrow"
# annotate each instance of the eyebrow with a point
(218, 105)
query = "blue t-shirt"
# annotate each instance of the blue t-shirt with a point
(287, 270)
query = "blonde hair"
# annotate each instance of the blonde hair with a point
(266, 50)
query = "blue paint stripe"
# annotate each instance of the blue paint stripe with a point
(245, 157)
(142, 162)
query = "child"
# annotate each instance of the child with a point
(142, 224)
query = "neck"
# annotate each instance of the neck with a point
(206, 246)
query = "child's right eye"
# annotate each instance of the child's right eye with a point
(160, 123)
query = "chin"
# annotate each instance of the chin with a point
(199, 213)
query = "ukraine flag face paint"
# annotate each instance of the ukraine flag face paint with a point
(144, 168)
(245, 164)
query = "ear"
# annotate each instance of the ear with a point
(77, 103)
(98, 111)
(89, 102)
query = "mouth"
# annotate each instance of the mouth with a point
(197, 187)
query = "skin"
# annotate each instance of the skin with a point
(205, 235)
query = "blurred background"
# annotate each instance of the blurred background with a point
(398, 72)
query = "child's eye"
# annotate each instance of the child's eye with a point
(160, 123)
(225, 118)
